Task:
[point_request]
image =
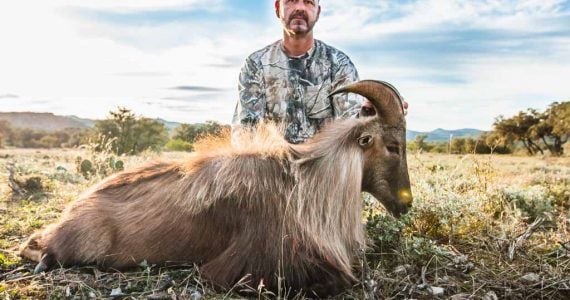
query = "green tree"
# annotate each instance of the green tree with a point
(518, 129)
(125, 120)
(458, 145)
(127, 134)
(553, 127)
(420, 143)
(191, 132)
(149, 134)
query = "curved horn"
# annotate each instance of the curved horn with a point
(385, 98)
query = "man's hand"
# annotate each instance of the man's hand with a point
(368, 108)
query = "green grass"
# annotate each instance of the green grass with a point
(468, 211)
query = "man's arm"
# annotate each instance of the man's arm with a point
(345, 105)
(350, 105)
(250, 107)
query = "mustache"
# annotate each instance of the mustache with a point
(299, 14)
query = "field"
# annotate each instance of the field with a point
(482, 227)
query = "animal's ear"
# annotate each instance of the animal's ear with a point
(365, 140)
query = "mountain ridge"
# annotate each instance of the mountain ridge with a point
(51, 122)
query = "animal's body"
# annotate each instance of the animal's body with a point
(260, 211)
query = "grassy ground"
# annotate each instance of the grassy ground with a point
(482, 227)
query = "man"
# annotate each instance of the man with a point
(289, 81)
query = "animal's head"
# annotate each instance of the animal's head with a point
(383, 140)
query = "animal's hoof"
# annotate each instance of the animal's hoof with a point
(41, 267)
(45, 264)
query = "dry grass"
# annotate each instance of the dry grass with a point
(469, 211)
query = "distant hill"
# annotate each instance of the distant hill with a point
(441, 135)
(43, 121)
(51, 122)
(169, 124)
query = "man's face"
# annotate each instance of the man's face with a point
(298, 17)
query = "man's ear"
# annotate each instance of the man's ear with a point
(318, 13)
(277, 8)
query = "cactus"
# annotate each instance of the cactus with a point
(86, 168)
(101, 166)
(119, 165)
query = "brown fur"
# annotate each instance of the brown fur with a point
(264, 210)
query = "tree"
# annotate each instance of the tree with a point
(127, 134)
(5, 132)
(191, 132)
(553, 127)
(149, 134)
(458, 145)
(518, 129)
(420, 143)
(494, 142)
(124, 119)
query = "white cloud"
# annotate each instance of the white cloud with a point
(140, 5)
(69, 65)
(357, 20)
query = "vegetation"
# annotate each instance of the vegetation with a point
(124, 133)
(531, 129)
(29, 138)
(484, 227)
(121, 133)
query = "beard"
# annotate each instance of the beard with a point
(299, 25)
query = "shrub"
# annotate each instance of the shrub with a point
(534, 201)
(178, 145)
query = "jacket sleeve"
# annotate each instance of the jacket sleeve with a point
(345, 105)
(250, 107)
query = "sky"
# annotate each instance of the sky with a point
(459, 64)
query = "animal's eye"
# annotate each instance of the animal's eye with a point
(365, 140)
(394, 149)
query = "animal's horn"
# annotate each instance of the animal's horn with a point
(385, 98)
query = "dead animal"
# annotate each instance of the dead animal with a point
(266, 211)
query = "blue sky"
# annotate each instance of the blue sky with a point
(458, 63)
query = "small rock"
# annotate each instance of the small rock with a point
(531, 278)
(436, 291)
(116, 292)
(460, 259)
(490, 296)
(92, 295)
(401, 269)
(194, 294)
(461, 297)
(159, 296)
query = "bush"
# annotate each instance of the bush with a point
(534, 201)
(178, 145)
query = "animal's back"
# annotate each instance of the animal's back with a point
(172, 213)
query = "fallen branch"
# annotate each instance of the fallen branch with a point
(523, 237)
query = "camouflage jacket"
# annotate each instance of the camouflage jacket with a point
(294, 90)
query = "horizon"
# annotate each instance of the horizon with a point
(459, 64)
(228, 123)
